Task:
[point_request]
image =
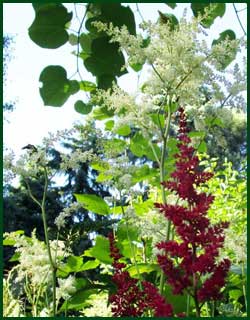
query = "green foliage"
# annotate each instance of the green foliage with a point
(79, 300)
(103, 55)
(87, 86)
(172, 5)
(169, 19)
(48, 28)
(56, 87)
(215, 10)
(93, 203)
(226, 59)
(82, 107)
(100, 250)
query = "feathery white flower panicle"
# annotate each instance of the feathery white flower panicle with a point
(67, 212)
(66, 288)
(76, 158)
(180, 59)
(33, 259)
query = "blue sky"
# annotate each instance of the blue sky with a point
(31, 120)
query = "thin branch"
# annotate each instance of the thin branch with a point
(225, 100)
(78, 42)
(236, 12)
(160, 77)
(139, 12)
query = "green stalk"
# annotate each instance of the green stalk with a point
(188, 305)
(243, 285)
(132, 250)
(162, 177)
(45, 226)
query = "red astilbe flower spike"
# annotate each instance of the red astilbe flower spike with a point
(130, 300)
(199, 244)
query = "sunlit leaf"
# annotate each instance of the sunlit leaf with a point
(48, 28)
(216, 10)
(100, 250)
(83, 108)
(93, 203)
(56, 87)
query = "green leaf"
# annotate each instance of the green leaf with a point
(63, 270)
(216, 10)
(93, 203)
(12, 242)
(179, 302)
(87, 86)
(105, 81)
(124, 230)
(105, 58)
(74, 263)
(103, 177)
(144, 207)
(82, 107)
(158, 119)
(202, 147)
(168, 18)
(235, 294)
(143, 173)
(15, 257)
(48, 28)
(139, 146)
(109, 125)
(171, 5)
(79, 300)
(225, 60)
(116, 144)
(197, 134)
(218, 122)
(119, 15)
(56, 87)
(101, 113)
(85, 42)
(136, 66)
(142, 268)
(91, 264)
(123, 130)
(100, 166)
(100, 250)
(73, 39)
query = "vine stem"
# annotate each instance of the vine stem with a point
(237, 15)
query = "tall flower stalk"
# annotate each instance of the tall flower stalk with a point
(190, 262)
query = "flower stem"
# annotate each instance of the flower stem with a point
(243, 285)
(52, 263)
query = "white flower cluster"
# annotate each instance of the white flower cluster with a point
(11, 307)
(67, 287)
(28, 165)
(76, 158)
(34, 260)
(67, 212)
(237, 244)
(180, 58)
(100, 307)
(54, 138)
